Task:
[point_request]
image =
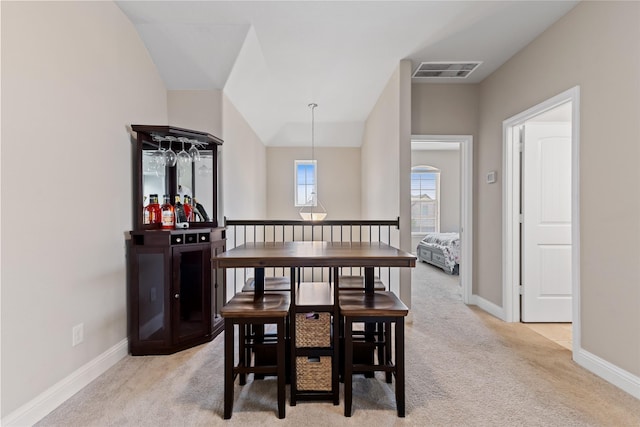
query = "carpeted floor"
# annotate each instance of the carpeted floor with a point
(464, 368)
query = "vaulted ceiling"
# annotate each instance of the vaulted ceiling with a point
(272, 58)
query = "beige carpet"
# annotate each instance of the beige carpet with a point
(464, 368)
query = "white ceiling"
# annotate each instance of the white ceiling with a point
(272, 58)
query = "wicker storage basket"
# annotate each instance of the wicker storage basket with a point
(313, 373)
(313, 330)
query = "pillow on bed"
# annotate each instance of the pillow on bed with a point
(444, 239)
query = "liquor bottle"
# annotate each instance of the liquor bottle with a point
(201, 210)
(152, 212)
(187, 208)
(168, 214)
(179, 211)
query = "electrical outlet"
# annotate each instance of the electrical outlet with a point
(77, 334)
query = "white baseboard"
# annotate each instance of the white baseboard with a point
(488, 306)
(609, 372)
(33, 411)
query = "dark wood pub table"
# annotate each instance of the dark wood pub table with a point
(294, 255)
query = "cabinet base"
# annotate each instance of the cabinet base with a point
(155, 350)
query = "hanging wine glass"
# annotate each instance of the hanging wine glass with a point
(184, 158)
(149, 162)
(194, 152)
(170, 155)
(204, 170)
(159, 159)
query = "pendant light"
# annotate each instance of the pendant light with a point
(313, 210)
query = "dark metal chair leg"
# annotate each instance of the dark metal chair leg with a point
(348, 366)
(228, 368)
(244, 353)
(281, 367)
(387, 349)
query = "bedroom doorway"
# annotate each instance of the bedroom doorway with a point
(546, 131)
(463, 145)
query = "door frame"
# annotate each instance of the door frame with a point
(511, 208)
(466, 206)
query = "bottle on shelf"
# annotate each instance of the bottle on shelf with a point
(152, 212)
(187, 208)
(168, 214)
(179, 211)
(200, 209)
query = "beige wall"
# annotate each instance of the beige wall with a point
(596, 46)
(444, 109)
(338, 181)
(74, 76)
(380, 158)
(244, 167)
(196, 109)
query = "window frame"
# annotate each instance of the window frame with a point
(437, 173)
(313, 186)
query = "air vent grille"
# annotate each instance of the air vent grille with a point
(456, 70)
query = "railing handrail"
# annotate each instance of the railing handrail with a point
(301, 222)
(241, 231)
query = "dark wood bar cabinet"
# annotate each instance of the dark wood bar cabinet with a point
(172, 289)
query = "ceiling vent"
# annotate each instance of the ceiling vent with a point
(448, 70)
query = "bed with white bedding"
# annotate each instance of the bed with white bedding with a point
(441, 250)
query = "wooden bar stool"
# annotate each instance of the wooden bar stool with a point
(381, 307)
(351, 283)
(242, 310)
(271, 284)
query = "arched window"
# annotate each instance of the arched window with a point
(425, 199)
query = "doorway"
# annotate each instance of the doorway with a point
(465, 145)
(551, 275)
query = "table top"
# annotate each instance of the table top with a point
(314, 254)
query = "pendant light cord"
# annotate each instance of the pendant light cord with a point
(312, 106)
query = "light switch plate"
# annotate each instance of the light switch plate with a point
(492, 177)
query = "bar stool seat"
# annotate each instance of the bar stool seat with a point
(348, 283)
(275, 283)
(382, 307)
(244, 310)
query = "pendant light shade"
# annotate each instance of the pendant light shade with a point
(313, 210)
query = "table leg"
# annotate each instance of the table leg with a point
(292, 335)
(399, 363)
(369, 327)
(368, 280)
(258, 291)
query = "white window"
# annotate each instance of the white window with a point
(305, 182)
(425, 200)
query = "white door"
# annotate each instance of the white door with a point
(546, 231)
